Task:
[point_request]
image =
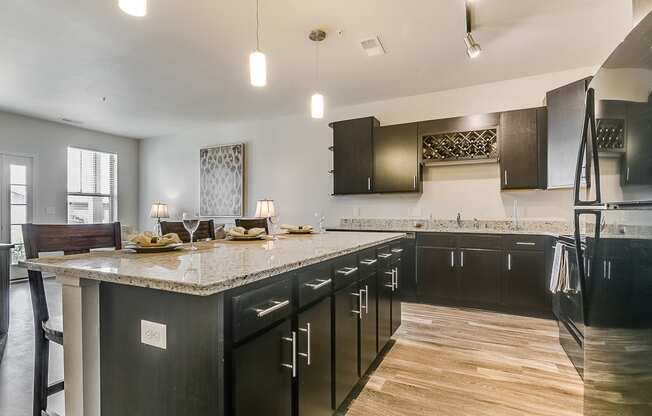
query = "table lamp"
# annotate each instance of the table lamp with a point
(158, 211)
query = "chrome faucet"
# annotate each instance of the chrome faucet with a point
(459, 220)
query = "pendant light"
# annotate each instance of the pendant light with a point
(136, 8)
(317, 100)
(473, 48)
(257, 59)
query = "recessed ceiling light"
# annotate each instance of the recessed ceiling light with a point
(136, 8)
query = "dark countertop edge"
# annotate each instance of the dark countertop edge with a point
(451, 231)
(208, 290)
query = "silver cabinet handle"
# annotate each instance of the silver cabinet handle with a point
(347, 271)
(359, 311)
(369, 184)
(505, 176)
(415, 182)
(307, 354)
(525, 243)
(604, 269)
(609, 269)
(396, 278)
(292, 366)
(627, 176)
(369, 262)
(384, 255)
(452, 259)
(461, 259)
(319, 285)
(509, 261)
(397, 250)
(276, 306)
(366, 297)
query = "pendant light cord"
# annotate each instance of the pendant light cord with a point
(257, 24)
(317, 64)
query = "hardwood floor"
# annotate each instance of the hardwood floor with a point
(451, 361)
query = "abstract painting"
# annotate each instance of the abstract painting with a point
(221, 191)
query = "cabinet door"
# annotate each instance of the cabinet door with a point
(368, 323)
(353, 155)
(637, 164)
(261, 384)
(397, 159)
(519, 149)
(347, 314)
(396, 296)
(524, 283)
(314, 356)
(384, 307)
(479, 272)
(437, 274)
(408, 270)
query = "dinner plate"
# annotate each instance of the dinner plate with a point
(245, 237)
(156, 249)
(297, 231)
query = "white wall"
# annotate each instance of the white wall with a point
(47, 143)
(288, 160)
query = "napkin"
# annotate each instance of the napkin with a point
(241, 232)
(147, 239)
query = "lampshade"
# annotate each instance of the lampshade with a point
(136, 8)
(258, 69)
(265, 208)
(317, 106)
(159, 210)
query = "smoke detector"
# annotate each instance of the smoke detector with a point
(372, 46)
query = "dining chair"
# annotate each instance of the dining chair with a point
(69, 239)
(248, 223)
(205, 231)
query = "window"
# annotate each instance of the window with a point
(92, 186)
(15, 201)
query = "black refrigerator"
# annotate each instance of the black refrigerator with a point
(613, 231)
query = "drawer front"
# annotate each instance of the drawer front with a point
(345, 270)
(436, 240)
(259, 308)
(384, 254)
(396, 250)
(314, 282)
(368, 262)
(481, 241)
(524, 242)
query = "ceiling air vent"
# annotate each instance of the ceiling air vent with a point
(372, 46)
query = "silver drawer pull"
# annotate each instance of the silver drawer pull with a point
(391, 272)
(307, 355)
(384, 255)
(397, 250)
(525, 243)
(276, 306)
(317, 286)
(292, 366)
(347, 271)
(369, 262)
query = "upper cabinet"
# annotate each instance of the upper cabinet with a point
(637, 161)
(566, 111)
(368, 158)
(397, 165)
(522, 142)
(353, 160)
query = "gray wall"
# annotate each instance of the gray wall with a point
(47, 143)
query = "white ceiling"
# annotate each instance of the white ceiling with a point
(186, 62)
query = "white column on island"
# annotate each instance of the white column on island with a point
(81, 345)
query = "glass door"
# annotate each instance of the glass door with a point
(16, 204)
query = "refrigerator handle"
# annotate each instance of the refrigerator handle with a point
(591, 152)
(583, 266)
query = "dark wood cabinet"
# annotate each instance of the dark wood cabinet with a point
(347, 313)
(437, 275)
(368, 323)
(314, 360)
(396, 297)
(522, 140)
(384, 307)
(408, 269)
(353, 161)
(637, 162)
(261, 384)
(479, 275)
(397, 160)
(524, 280)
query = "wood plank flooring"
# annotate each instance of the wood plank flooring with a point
(452, 361)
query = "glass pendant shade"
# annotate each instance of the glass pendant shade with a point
(317, 106)
(136, 8)
(258, 69)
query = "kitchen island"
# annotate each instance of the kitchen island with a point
(283, 327)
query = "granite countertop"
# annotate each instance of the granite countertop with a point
(460, 230)
(217, 265)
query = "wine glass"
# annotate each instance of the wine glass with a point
(274, 221)
(320, 219)
(190, 223)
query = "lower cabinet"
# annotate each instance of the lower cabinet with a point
(437, 274)
(347, 310)
(479, 275)
(260, 367)
(524, 280)
(368, 323)
(384, 307)
(314, 360)
(396, 297)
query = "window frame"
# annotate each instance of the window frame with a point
(113, 199)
